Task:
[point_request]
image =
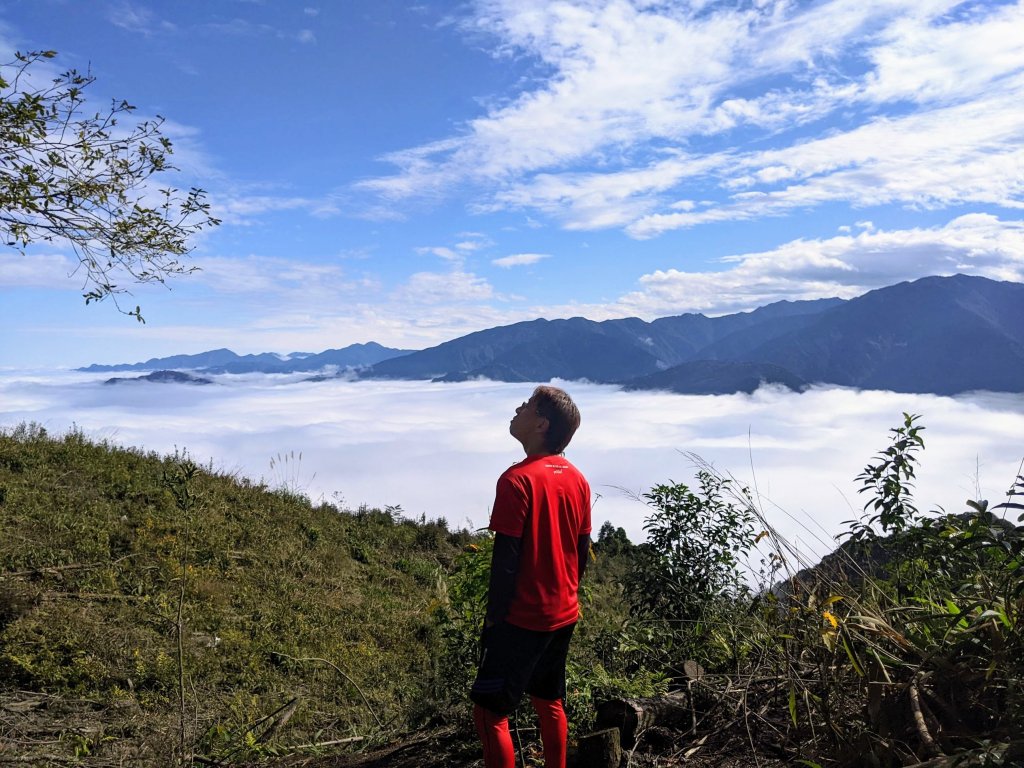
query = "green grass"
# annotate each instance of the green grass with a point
(91, 565)
(151, 609)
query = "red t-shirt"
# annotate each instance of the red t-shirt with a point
(545, 501)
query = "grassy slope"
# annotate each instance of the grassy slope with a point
(90, 574)
(370, 622)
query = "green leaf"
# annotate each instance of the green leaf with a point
(852, 656)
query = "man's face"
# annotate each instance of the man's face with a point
(526, 422)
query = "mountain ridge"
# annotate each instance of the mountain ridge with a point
(223, 360)
(940, 335)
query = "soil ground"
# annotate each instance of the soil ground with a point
(450, 748)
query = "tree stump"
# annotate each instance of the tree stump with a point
(600, 749)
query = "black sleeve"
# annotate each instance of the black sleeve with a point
(583, 553)
(504, 569)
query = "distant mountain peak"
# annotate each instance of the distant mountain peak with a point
(907, 337)
(225, 361)
(937, 334)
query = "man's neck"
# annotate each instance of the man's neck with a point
(536, 448)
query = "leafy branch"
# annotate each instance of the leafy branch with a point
(81, 179)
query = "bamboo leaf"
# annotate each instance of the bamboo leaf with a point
(853, 657)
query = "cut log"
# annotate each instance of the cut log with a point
(631, 716)
(600, 749)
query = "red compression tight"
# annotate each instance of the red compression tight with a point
(494, 735)
(492, 729)
(553, 730)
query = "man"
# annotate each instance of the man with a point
(541, 524)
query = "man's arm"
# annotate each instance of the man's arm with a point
(582, 554)
(504, 569)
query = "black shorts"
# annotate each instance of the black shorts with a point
(516, 660)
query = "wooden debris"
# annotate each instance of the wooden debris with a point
(600, 749)
(631, 716)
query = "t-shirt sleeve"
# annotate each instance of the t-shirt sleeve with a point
(510, 507)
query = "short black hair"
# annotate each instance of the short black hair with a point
(563, 416)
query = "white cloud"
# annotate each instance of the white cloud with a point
(843, 266)
(620, 74)
(242, 207)
(922, 61)
(473, 241)
(457, 254)
(191, 159)
(138, 20)
(967, 153)
(38, 270)
(519, 259)
(285, 304)
(867, 103)
(595, 200)
(238, 27)
(443, 288)
(436, 449)
(415, 317)
(253, 205)
(270, 275)
(441, 252)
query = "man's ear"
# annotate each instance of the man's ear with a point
(543, 425)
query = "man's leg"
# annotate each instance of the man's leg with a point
(547, 690)
(553, 730)
(509, 656)
(492, 729)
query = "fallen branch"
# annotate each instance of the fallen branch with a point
(930, 746)
(61, 568)
(633, 716)
(332, 743)
(39, 759)
(97, 596)
(281, 718)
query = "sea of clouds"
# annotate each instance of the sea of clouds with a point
(436, 449)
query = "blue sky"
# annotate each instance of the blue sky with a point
(409, 172)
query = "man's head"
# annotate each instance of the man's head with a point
(547, 421)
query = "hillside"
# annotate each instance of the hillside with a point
(716, 377)
(279, 599)
(300, 623)
(940, 335)
(155, 613)
(608, 351)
